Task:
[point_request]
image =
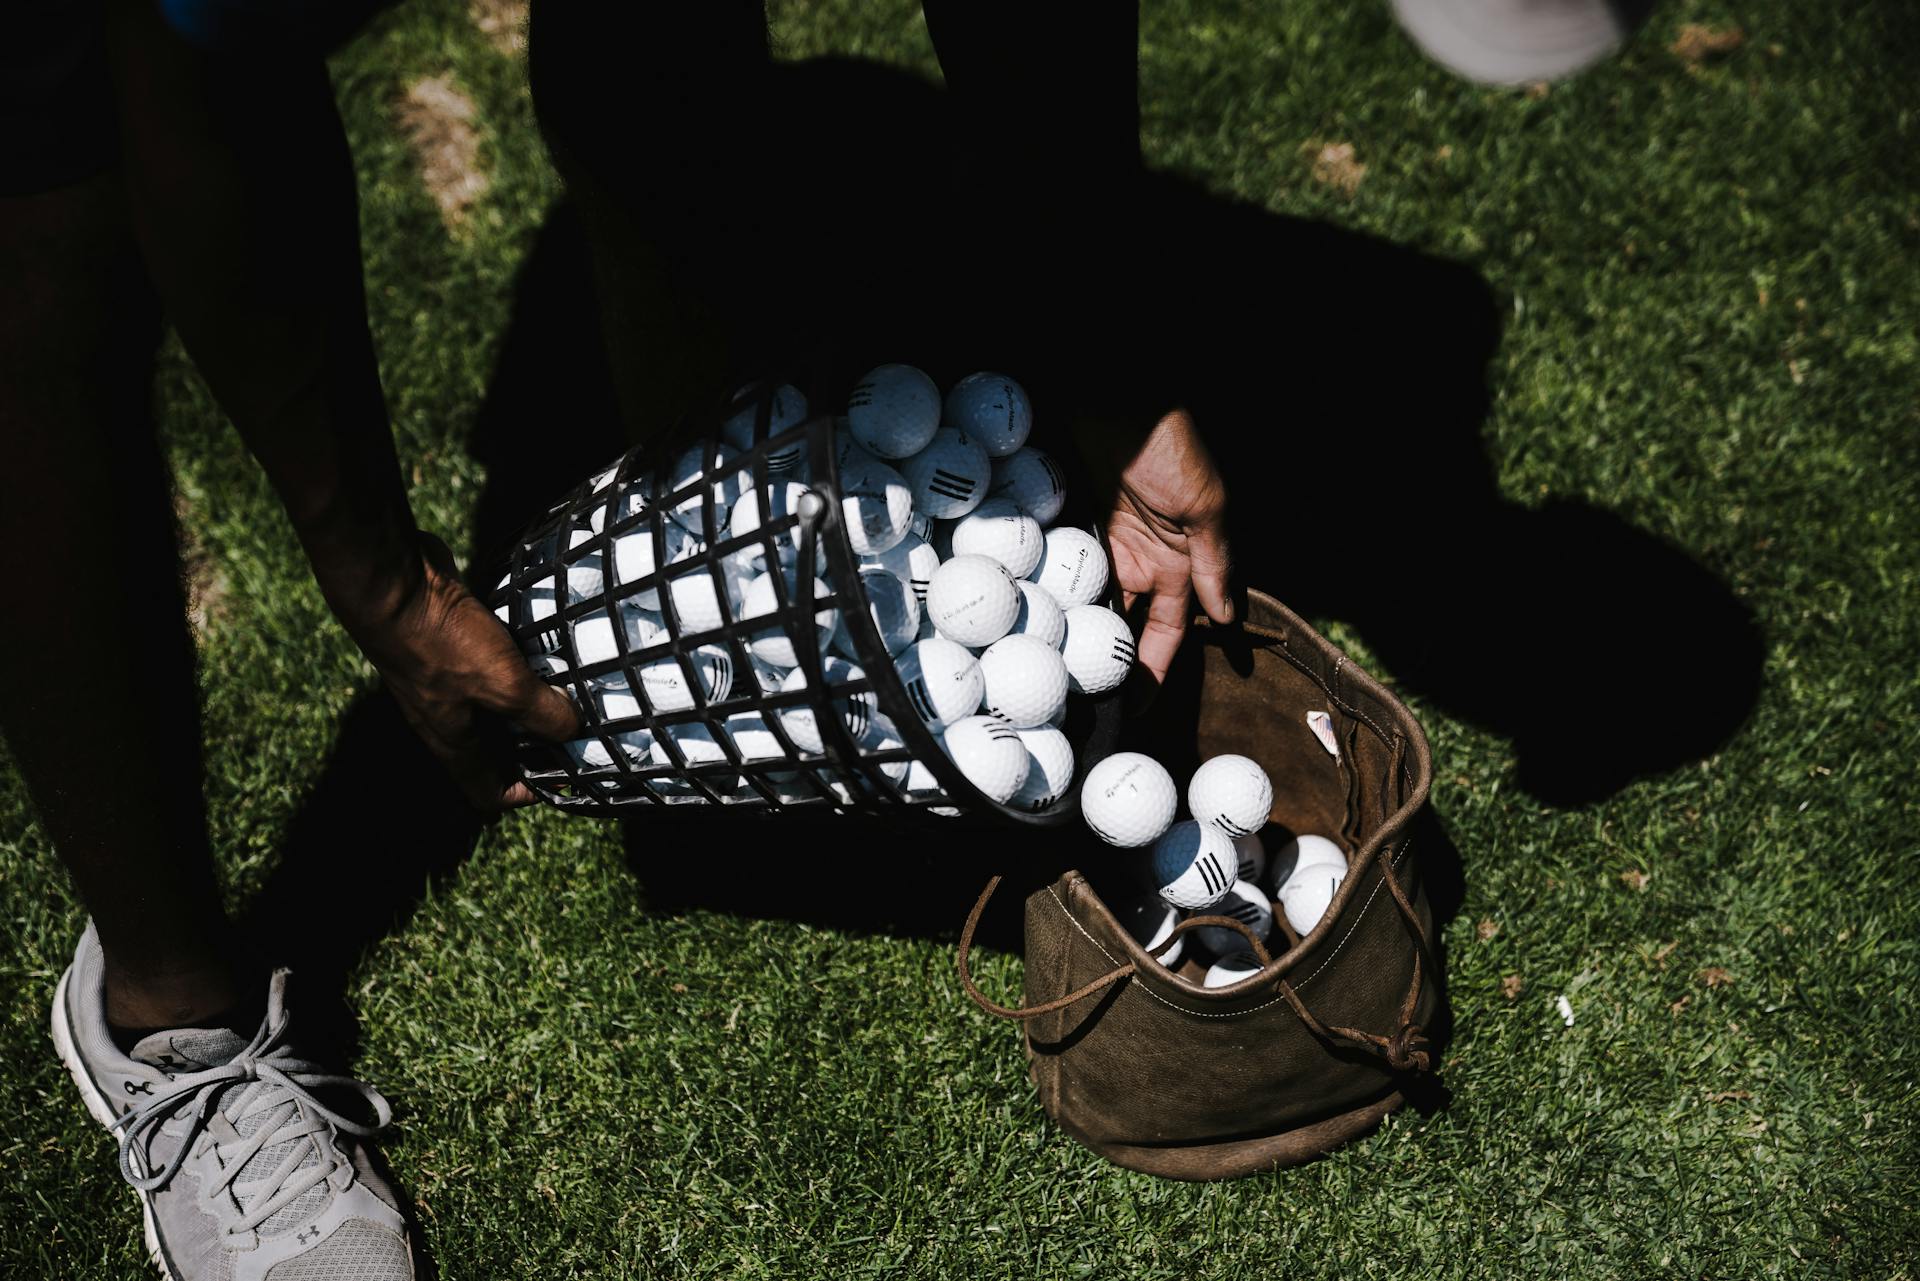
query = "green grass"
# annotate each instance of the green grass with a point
(1713, 330)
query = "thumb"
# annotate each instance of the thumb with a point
(540, 709)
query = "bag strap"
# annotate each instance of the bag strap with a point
(1407, 1050)
(1025, 1012)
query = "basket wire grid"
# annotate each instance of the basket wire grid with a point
(578, 535)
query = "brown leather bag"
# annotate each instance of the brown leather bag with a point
(1153, 1071)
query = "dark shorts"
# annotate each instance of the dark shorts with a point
(56, 104)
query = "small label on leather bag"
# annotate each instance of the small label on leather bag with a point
(1322, 726)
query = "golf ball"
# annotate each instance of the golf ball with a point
(697, 602)
(669, 688)
(1231, 792)
(943, 681)
(788, 409)
(989, 752)
(1192, 865)
(1074, 567)
(1040, 615)
(690, 508)
(948, 477)
(876, 501)
(635, 558)
(1049, 771)
(1252, 857)
(1098, 650)
(1301, 852)
(1128, 799)
(857, 710)
(973, 600)
(1000, 530)
(991, 408)
(1229, 970)
(1026, 680)
(892, 607)
(593, 638)
(1308, 892)
(774, 645)
(698, 746)
(912, 560)
(894, 411)
(1031, 479)
(1244, 902)
(1151, 923)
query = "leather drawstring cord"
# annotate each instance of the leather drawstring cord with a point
(1407, 1050)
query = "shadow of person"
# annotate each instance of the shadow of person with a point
(1340, 378)
(382, 824)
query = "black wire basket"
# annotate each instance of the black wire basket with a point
(646, 700)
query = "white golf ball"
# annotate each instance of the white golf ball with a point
(891, 606)
(667, 685)
(1192, 865)
(593, 639)
(1026, 680)
(1049, 771)
(698, 745)
(1073, 568)
(752, 740)
(875, 501)
(973, 600)
(993, 409)
(1301, 852)
(1128, 799)
(634, 558)
(584, 579)
(1040, 615)
(592, 753)
(782, 503)
(787, 410)
(1031, 479)
(774, 645)
(948, 477)
(1151, 923)
(912, 560)
(1000, 530)
(632, 502)
(881, 736)
(1231, 792)
(943, 682)
(989, 752)
(1098, 650)
(857, 710)
(690, 509)
(1307, 893)
(1229, 970)
(894, 411)
(1246, 903)
(1252, 856)
(698, 602)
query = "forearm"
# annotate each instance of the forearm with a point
(241, 192)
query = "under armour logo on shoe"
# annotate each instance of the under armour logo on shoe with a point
(137, 1087)
(307, 1234)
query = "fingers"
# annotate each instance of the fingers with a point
(543, 711)
(1212, 560)
(517, 795)
(1165, 628)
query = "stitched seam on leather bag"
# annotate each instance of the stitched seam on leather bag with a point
(1053, 891)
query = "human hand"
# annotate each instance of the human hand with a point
(449, 663)
(1169, 537)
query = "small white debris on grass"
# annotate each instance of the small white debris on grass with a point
(1565, 1007)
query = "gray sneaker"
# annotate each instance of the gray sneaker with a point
(242, 1173)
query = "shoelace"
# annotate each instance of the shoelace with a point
(292, 1081)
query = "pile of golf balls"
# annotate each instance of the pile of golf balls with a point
(990, 612)
(1215, 863)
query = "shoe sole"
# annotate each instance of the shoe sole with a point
(99, 1110)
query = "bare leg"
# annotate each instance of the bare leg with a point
(97, 693)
